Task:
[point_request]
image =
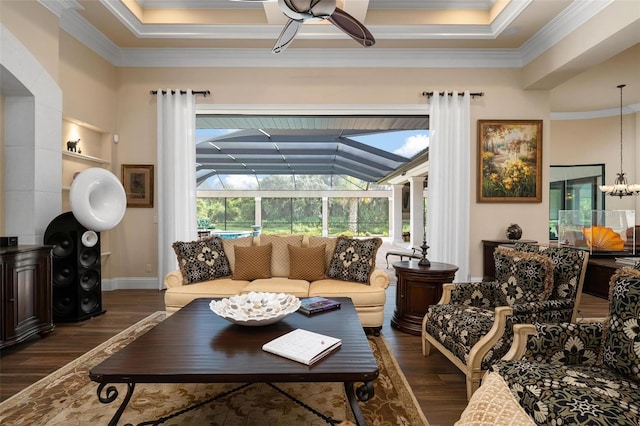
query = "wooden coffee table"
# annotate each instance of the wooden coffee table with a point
(194, 345)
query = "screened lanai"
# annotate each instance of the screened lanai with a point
(318, 175)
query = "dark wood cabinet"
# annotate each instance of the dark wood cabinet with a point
(598, 275)
(25, 293)
(488, 263)
(417, 288)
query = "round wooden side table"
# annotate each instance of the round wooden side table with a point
(417, 288)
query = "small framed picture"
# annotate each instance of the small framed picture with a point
(509, 161)
(137, 180)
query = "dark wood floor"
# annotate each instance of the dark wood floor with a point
(437, 384)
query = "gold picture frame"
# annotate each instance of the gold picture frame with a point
(137, 180)
(509, 161)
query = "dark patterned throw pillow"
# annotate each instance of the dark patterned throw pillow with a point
(354, 259)
(523, 277)
(202, 260)
(621, 341)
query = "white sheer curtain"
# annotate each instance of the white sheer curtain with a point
(176, 175)
(448, 191)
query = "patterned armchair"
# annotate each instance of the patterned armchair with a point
(570, 373)
(472, 324)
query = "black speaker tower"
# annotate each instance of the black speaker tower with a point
(77, 284)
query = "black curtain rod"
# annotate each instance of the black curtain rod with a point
(204, 93)
(472, 94)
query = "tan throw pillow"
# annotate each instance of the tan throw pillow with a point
(329, 242)
(306, 263)
(280, 253)
(230, 243)
(201, 260)
(252, 262)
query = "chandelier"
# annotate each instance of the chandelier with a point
(620, 187)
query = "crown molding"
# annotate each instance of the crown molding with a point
(73, 23)
(590, 115)
(508, 15)
(87, 34)
(58, 7)
(271, 32)
(397, 4)
(328, 58)
(569, 20)
(437, 4)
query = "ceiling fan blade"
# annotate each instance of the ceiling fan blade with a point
(287, 35)
(352, 27)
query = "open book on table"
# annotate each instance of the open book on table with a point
(303, 346)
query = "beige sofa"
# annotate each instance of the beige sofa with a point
(368, 298)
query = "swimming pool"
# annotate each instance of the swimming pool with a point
(231, 234)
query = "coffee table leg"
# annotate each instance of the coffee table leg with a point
(111, 394)
(363, 393)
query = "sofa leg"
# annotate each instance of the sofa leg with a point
(373, 330)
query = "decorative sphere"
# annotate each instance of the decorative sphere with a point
(514, 232)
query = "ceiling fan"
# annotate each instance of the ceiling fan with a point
(301, 11)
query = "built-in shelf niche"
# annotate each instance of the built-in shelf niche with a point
(96, 150)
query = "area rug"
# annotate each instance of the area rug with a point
(68, 397)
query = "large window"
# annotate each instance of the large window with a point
(358, 216)
(226, 213)
(292, 216)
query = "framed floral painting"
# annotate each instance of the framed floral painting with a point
(509, 161)
(137, 180)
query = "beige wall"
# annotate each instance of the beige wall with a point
(2, 223)
(389, 87)
(597, 141)
(36, 27)
(89, 85)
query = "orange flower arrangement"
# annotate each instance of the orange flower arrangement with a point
(602, 238)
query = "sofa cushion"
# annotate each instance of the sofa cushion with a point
(354, 259)
(298, 288)
(202, 260)
(221, 287)
(252, 262)
(460, 327)
(523, 277)
(229, 243)
(280, 252)
(306, 263)
(330, 247)
(621, 341)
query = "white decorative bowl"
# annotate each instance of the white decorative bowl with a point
(254, 309)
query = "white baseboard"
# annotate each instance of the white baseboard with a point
(130, 283)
